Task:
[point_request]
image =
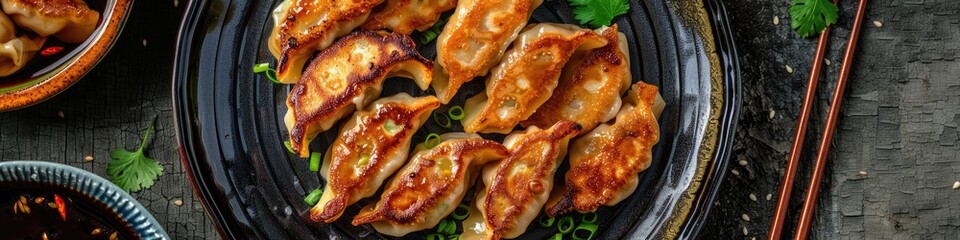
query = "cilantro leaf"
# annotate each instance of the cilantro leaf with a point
(598, 13)
(132, 171)
(810, 17)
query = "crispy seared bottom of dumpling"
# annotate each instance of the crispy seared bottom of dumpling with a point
(604, 163)
(431, 184)
(405, 16)
(590, 86)
(518, 186)
(527, 76)
(347, 76)
(371, 146)
(301, 27)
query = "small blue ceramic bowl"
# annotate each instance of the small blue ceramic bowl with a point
(90, 194)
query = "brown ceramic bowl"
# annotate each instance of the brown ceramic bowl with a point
(47, 75)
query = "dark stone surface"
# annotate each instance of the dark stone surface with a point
(110, 109)
(899, 123)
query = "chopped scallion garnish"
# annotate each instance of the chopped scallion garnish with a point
(313, 197)
(590, 217)
(434, 236)
(289, 148)
(456, 113)
(565, 225)
(315, 161)
(558, 236)
(445, 122)
(461, 213)
(546, 222)
(584, 231)
(432, 141)
(266, 70)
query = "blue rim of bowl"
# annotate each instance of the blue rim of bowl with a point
(83, 182)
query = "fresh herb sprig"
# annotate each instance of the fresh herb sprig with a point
(810, 17)
(598, 13)
(133, 171)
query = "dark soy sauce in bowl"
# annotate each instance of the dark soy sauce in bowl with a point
(35, 213)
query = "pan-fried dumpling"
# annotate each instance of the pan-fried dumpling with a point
(404, 16)
(517, 187)
(590, 86)
(474, 40)
(15, 51)
(371, 146)
(527, 76)
(347, 76)
(431, 184)
(70, 20)
(604, 163)
(304, 26)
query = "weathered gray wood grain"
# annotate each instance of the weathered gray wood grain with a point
(899, 123)
(109, 109)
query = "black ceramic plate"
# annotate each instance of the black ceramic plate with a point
(231, 131)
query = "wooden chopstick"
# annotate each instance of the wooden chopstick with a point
(790, 173)
(813, 190)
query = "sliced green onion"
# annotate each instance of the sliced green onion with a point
(546, 222)
(461, 213)
(558, 236)
(261, 67)
(585, 231)
(315, 161)
(391, 127)
(289, 148)
(266, 70)
(446, 123)
(565, 225)
(447, 227)
(442, 225)
(431, 144)
(456, 113)
(454, 237)
(590, 217)
(434, 236)
(428, 37)
(313, 197)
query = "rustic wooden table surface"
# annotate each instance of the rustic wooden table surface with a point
(899, 124)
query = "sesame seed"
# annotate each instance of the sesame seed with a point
(735, 172)
(776, 20)
(60, 114)
(742, 162)
(178, 202)
(753, 197)
(862, 173)
(789, 68)
(176, 3)
(773, 114)
(956, 185)
(745, 217)
(144, 42)
(877, 24)
(769, 196)
(826, 61)
(745, 232)
(88, 158)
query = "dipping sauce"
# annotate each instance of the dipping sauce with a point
(50, 214)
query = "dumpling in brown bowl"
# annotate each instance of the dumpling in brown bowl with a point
(370, 148)
(15, 51)
(431, 185)
(527, 76)
(347, 76)
(69, 20)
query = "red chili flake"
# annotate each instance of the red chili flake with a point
(61, 207)
(51, 50)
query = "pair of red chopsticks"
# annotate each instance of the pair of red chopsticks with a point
(810, 202)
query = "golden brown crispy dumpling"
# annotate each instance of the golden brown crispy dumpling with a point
(590, 86)
(431, 184)
(15, 51)
(346, 76)
(474, 40)
(304, 26)
(404, 16)
(518, 187)
(604, 163)
(527, 76)
(70, 20)
(371, 146)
